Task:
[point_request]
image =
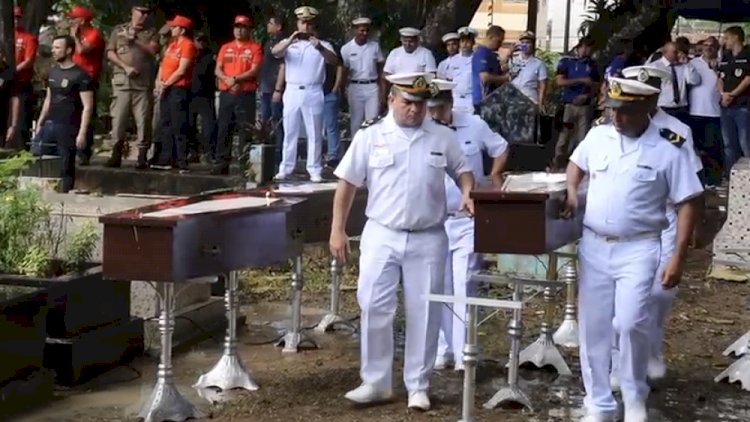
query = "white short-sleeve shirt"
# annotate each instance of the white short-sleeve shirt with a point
(420, 60)
(663, 120)
(530, 72)
(629, 192)
(304, 65)
(474, 136)
(404, 174)
(362, 60)
(705, 98)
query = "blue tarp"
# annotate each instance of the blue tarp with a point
(714, 10)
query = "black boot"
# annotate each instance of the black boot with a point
(142, 162)
(115, 160)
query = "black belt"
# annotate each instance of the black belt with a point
(370, 81)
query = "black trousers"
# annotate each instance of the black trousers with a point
(61, 137)
(174, 124)
(27, 110)
(709, 146)
(203, 107)
(236, 114)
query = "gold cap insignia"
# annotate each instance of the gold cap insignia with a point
(615, 89)
(420, 83)
(434, 89)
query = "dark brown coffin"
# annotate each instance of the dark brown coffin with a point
(198, 245)
(317, 212)
(523, 222)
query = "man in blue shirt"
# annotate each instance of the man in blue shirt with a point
(485, 66)
(578, 76)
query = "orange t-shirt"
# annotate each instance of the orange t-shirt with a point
(238, 57)
(91, 62)
(26, 46)
(178, 49)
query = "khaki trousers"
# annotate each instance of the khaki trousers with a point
(138, 103)
(576, 123)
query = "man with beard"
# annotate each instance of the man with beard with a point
(635, 170)
(66, 113)
(460, 70)
(402, 159)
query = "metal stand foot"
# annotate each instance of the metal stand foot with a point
(739, 347)
(567, 334)
(229, 372)
(512, 393)
(332, 320)
(470, 360)
(543, 352)
(738, 371)
(166, 403)
(294, 338)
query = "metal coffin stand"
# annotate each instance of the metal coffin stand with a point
(171, 250)
(518, 223)
(316, 217)
(740, 369)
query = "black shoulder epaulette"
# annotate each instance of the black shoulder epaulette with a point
(672, 137)
(368, 123)
(604, 120)
(440, 122)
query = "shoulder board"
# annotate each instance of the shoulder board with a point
(604, 120)
(672, 137)
(368, 123)
(440, 122)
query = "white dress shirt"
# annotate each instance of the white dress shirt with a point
(304, 65)
(705, 98)
(362, 60)
(686, 75)
(420, 60)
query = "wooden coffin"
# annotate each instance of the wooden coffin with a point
(525, 220)
(200, 236)
(317, 210)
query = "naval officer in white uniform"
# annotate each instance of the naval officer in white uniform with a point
(304, 57)
(460, 70)
(410, 57)
(474, 136)
(662, 297)
(363, 61)
(402, 159)
(635, 169)
(451, 47)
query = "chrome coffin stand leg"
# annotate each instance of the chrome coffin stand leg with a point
(567, 334)
(543, 351)
(229, 372)
(739, 347)
(512, 393)
(471, 361)
(295, 338)
(738, 371)
(333, 319)
(165, 402)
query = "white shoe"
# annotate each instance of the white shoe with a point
(441, 362)
(657, 369)
(419, 400)
(459, 366)
(316, 178)
(636, 412)
(280, 176)
(597, 417)
(614, 381)
(367, 393)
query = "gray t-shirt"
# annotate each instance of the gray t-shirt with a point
(269, 70)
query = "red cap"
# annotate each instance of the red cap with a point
(181, 21)
(242, 20)
(81, 12)
(18, 12)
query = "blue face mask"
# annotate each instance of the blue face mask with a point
(524, 48)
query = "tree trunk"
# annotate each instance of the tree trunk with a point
(36, 14)
(447, 16)
(7, 33)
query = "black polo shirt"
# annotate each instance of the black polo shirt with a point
(65, 87)
(732, 70)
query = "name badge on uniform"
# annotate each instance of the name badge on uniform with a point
(64, 83)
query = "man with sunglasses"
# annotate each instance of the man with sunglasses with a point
(131, 50)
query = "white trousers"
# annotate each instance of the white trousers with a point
(662, 299)
(303, 106)
(386, 257)
(615, 278)
(364, 104)
(460, 264)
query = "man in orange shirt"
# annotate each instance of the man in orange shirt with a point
(173, 91)
(26, 48)
(237, 68)
(88, 54)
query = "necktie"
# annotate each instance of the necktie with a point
(675, 85)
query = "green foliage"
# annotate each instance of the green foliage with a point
(11, 167)
(554, 92)
(79, 249)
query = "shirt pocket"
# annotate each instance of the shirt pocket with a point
(470, 149)
(599, 164)
(438, 162)
(380, 161)
(644, 175)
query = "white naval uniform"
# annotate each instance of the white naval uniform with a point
(361, 61)
(631, 183)
(420, 60)
(460, 72)
(663, 298)
(474, 136)
(303, 103)
(403, 169)
(443, 69)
